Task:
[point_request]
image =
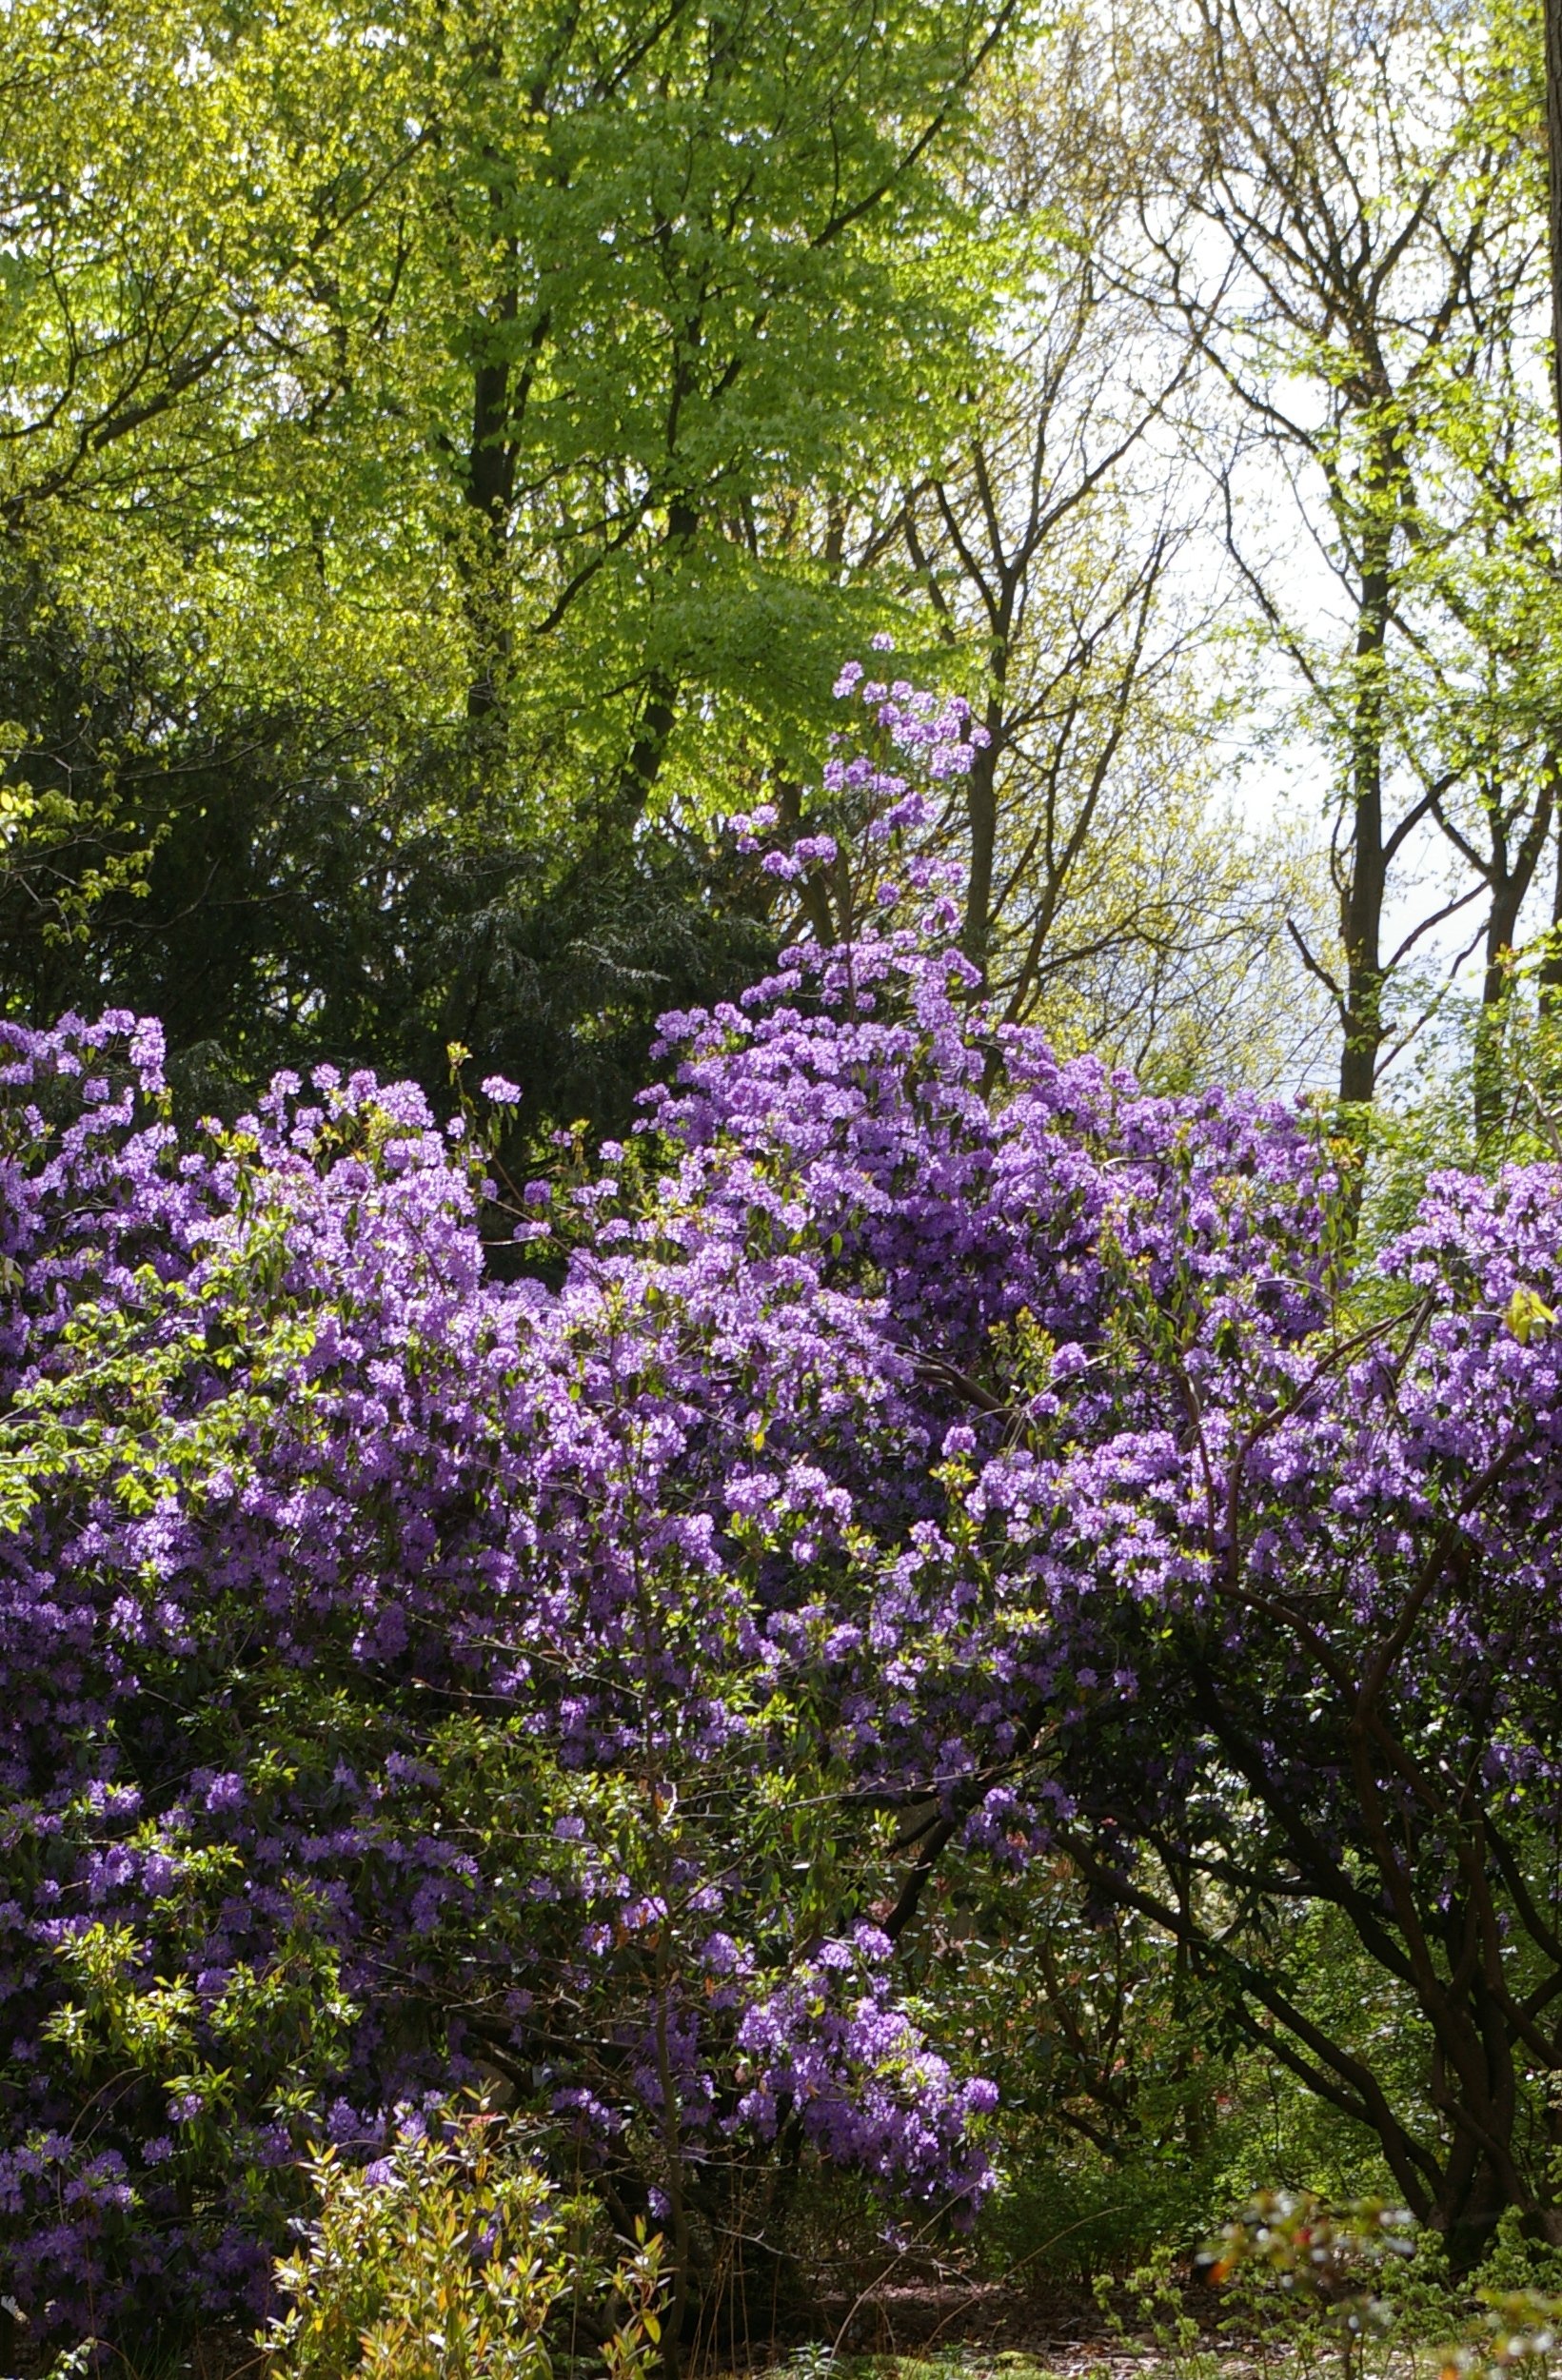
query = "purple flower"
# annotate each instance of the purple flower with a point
(856, 1456)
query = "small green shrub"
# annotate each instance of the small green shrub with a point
(1149, 2307)
(446, 2260)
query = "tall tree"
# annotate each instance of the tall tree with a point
(1341, 227)
(669, 266)
(407, 453)
(1047, 556)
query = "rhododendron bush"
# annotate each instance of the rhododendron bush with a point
(907, 1448)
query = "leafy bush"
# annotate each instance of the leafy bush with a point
(912, 1448)
(445, 2260)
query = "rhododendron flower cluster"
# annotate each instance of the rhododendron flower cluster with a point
(831, 2044)
(910, 1446)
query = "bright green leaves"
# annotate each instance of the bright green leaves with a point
(124, 1412)
(1526, 1314)
(688, 267)
(502, 348)
(444, 2262)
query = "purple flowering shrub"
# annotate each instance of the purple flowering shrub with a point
(930, 1450)
(831, 2043)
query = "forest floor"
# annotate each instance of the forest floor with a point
(1111, 2356)
(1058, 2350)
(963, 2326)
(988, 2330)
(994, 2330)
(1064, 2350)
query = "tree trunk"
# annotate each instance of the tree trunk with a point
(1509, 889)
(643, 765)
(490, 489)
(1501, 926)
(981, 820)
(1551, 974)
(1551, 15)
(491, 457)
(659, 712)
(1361, 902)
